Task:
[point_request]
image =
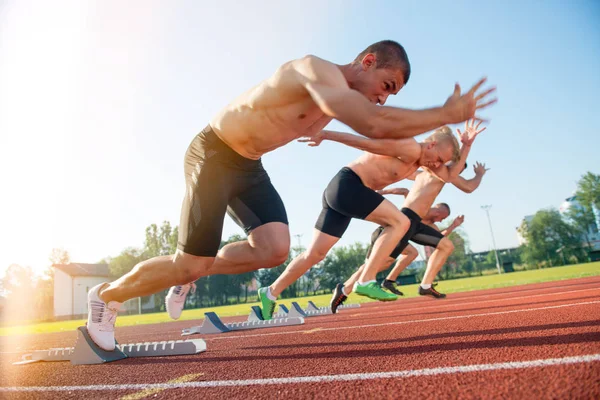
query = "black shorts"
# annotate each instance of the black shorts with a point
(345, 197)
(218, 181)
(418, 232)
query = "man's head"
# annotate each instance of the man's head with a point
(439, 148)
(380, 70)
(438, 213)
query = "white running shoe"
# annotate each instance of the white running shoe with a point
(101, 319)
(175, 299)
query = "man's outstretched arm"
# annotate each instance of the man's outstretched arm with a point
(469, 185)
(455, 224)
(328, 88)
(406, 149)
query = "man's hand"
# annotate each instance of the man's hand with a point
(314, 140)
(471, 131)
(398, 191)
(458, 221)
(480, 169)
(460, 108)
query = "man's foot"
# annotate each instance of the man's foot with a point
(175, 299)
(373, 291)
(101, 319)
(267, 305)
(391, 286)
(431, 292)
(338, 297)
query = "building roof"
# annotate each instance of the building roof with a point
(79, 269)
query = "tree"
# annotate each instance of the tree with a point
(588, 191)
(550, 240)
(588, 200)
(458, 258)
(124, 262)
(583, 219)
(59, 256)
(160, 242)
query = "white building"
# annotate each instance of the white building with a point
(71, 285)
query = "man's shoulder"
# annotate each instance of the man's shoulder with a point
(314, 67)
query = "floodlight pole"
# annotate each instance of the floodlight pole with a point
(487, 211)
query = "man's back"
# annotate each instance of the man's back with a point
(269, 115)
(423, 193)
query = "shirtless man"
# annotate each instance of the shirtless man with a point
(352, 194)
(224, 174)
(416, 206)
(437, 213)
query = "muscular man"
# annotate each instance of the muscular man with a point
(437, 213)
(224, 173)
(417, 206)
(352, 194)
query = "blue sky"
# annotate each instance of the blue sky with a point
(99, 101)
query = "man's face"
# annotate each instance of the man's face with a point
(376, 84)
(435, 154)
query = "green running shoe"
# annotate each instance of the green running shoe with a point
(374, 291)
(267, 305)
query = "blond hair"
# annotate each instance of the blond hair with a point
(445, 135)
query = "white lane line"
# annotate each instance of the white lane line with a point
(319, 378)
(465, 296)
(337, 328)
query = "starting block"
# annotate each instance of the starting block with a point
(87, 352)
(213, 324)
(297, 312)
(313, 311)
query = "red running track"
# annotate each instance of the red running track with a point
(530, 341)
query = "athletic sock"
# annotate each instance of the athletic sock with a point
(366, 283)
(426, 285)
(270, 295)
(344, 291)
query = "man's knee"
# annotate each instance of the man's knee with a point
(389, 262)
(278, 253)
(397, 225)
(446, 245)
(411, 253)
(188, 268)
(315, 255)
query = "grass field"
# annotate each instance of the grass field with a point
(452, 286)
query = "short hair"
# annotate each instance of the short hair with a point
(444, 205)
(389, 54)
(445, 135)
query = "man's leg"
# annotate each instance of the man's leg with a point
(350, 282)
(396, 226)
(389, 283)
(408, 255)
(316, 252)
(258, 210)
(267, 246)
(435, 263)
(156, 274)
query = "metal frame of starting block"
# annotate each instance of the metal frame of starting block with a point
(213, 324)
(296, 311)
(87, 352)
